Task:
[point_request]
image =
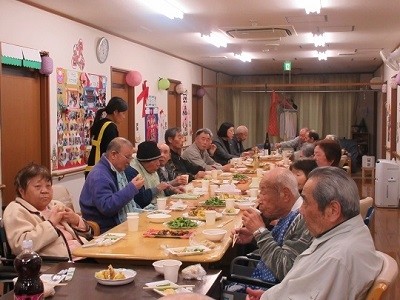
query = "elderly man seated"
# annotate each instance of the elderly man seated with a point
(241, 134)
(146, 163)
(174, 140)
(167, 172)
(198, 155)
(107, 195)
(341, 262)
(279, 201)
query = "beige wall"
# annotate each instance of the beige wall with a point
(23, 25)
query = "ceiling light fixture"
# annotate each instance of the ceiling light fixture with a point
(322, 55)
(312, 6)
(215, 38)
(165, 7)
(319, 40)
(244, 57)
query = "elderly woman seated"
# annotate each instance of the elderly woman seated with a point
(54, 229)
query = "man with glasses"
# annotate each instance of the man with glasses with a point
(107, 194)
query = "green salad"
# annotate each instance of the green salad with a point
(239, 177)
(215, 201)
(182, 222)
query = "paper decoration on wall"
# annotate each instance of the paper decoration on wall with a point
(77, 59)
(151, 124)
(143, 96)
(82, 95)
(163, 123)
(185, 116)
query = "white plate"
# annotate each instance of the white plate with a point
(106, 239)
(185, 196)
(159, 211)
(190, 250)
(129, 274)
(178, 207)
(186, 215)
(237, 210)
(164, 283)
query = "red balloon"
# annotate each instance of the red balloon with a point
(133, 78)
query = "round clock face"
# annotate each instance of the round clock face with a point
(102, 50)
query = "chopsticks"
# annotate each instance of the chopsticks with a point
(236, 235)
(224, 223)
(164, 287)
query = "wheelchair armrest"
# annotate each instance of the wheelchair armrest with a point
(254, 255)
(251, 281)
(54, 259)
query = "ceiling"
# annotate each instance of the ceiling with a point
(356, 31)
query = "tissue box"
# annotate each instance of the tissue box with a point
(368, 161)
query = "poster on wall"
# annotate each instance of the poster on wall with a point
(79, 96)
(185, 117)
(151, 119)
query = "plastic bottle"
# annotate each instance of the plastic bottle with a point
(27, 264)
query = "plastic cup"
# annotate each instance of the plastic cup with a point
(230, 203)
(205, 184)
(214, 174)
(213, 188)
(133, 223)
(162, 203)
(253, 193)
(133, 214)
(171, 270)
(211, 215)
(259, 172)
(186, 177)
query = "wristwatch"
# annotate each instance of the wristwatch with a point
(259, 231)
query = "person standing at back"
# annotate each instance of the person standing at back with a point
(104, 129)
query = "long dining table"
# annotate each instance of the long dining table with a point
(135, 246)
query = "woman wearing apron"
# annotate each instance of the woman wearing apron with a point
(104, 129)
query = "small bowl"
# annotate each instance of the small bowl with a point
(244, 186)
(214, 235)
(158, 218)
(196, 183)
(244, 205)
(159, 264)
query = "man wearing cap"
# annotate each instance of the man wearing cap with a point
(146, 163)
(107, 194)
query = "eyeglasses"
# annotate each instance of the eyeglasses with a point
(128, 158)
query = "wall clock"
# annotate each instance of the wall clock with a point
(102, 50)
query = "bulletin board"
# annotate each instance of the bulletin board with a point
(79, 96)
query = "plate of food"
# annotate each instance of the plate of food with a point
(166, 287)
(213, 201)
(186, 196)
(231, 211)
(178, 205)
(190, 250)
(183, 223)
(113, 276)
(105, 240)
(167, 233)
(198, 213)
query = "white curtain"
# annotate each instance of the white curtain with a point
(326, 112)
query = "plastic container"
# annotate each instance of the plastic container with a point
(27, 264)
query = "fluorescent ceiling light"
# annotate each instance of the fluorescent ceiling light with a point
(322, 55)
(244, 57)
(319, 40)
(165, 7)
(312, 6)
(215, 38)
